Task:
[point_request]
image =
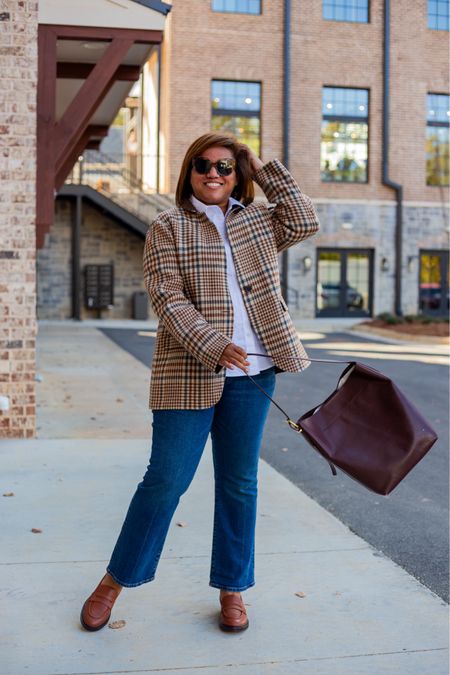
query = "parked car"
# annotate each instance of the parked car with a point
(329, 296)
(431, 296)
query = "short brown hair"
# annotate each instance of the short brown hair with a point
(244, 190)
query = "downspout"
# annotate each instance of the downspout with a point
(158, 124)
(77, 215)
(286, 120)
(385, 179)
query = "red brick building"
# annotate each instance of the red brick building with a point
(354, 96)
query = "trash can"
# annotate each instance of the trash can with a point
(140, 305)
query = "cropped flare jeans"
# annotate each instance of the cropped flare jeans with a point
(236, 424)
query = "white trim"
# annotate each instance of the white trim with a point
(428, 204)
(375, 202)
(100, 14)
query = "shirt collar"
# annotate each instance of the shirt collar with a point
(204, 208)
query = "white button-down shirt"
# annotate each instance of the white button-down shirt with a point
(243, 334)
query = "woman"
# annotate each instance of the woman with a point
(211, 269)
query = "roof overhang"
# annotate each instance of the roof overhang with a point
(85, 73)
(147, 15)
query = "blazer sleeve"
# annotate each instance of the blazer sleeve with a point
(165, 288)
(293, 216)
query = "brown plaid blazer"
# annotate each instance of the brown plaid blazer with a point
(185, 274)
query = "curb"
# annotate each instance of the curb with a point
(398, 335)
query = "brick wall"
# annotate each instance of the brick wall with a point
(202, 45)
(206, 45)
(18, 67)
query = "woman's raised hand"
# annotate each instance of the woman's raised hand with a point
(253, 158)
(233, 355)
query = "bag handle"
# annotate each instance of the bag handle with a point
(291, 423)
(296, 427)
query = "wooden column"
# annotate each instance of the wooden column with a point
(45, 169)
(59, 145)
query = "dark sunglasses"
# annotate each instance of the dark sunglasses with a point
(223, 166)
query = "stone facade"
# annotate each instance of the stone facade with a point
(102, 241)
(320, 56)
(425, 227)
(18, 67)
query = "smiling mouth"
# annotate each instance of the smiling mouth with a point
(213, 184)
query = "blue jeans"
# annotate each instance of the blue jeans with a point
(236, 425)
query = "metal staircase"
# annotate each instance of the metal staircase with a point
(111, 186)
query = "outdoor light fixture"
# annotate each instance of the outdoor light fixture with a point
(94, 45)
(384, 265)
(410, 262)
(307, 263)
(347, 221)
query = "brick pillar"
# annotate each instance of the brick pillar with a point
(18, 75)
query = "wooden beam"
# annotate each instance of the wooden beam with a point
(98, 130)
(45, 158)
(58, 144)
(81, 71)
(92, 130)
(75, 120)
(93, 145)
(106, 34)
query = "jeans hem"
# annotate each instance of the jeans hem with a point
(226, 587)
(126, 584)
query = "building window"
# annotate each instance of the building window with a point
(346, 10)
(344, 282)
(437, 140)
(345, 125)
(236, 108)
(438, 11)
(237, 6)
(434, 277)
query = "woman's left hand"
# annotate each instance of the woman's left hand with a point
(253, 158)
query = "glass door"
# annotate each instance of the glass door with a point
(344, 282)
(434, 283)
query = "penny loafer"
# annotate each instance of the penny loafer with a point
(233, 615)
(97, 608)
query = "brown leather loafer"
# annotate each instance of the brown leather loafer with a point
(233, 615)
(97, 608)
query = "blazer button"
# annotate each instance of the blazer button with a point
(248, 288)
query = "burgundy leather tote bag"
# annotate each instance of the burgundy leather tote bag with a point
(367, 428)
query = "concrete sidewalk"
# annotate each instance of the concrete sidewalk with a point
(358, 613)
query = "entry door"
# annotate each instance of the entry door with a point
(434, 282)
(344, 282)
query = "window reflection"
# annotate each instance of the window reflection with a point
(237, 6)
(434, 282)
(438, 14)
(346, 10)
(343, 282)
(437, 139)
(344, 146)
(358, 281)
(236, 109)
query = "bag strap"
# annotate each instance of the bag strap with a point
(296, 427)
(291, 423)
